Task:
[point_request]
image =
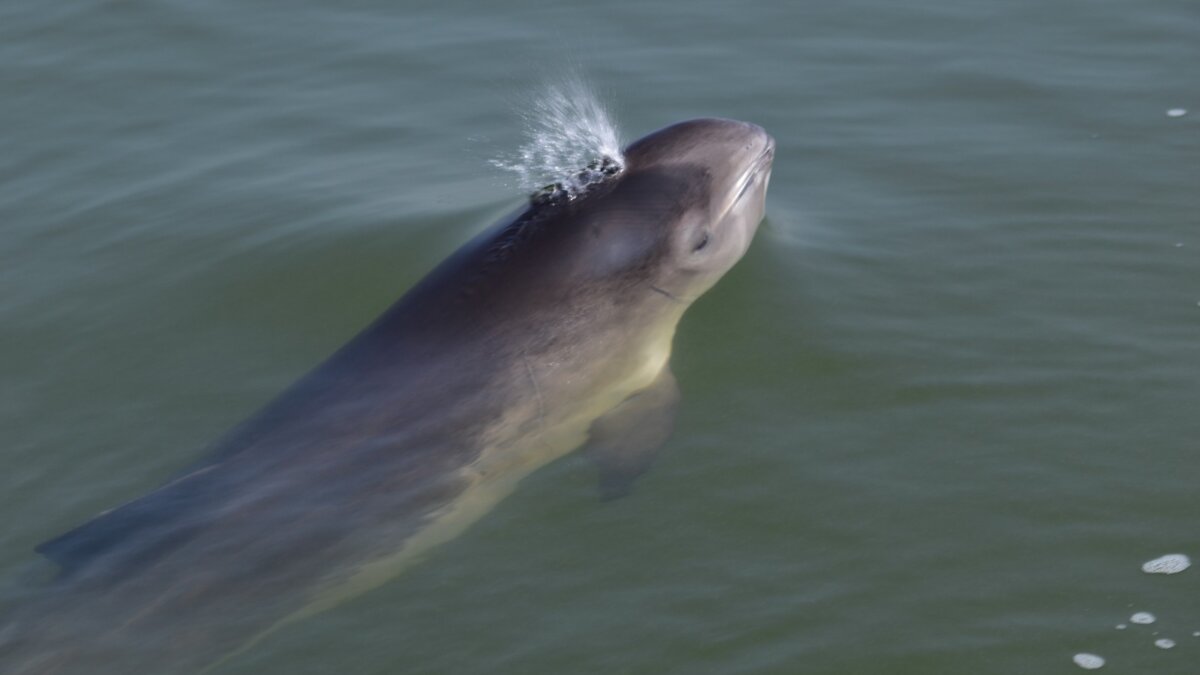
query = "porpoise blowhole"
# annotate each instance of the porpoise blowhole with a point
(561, 192)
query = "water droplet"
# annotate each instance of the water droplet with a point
(1142, 618)
(566, 130)
(1176, 112)
(1088, 661)
(1172, 563)
(1122, 626)
(1164, 643)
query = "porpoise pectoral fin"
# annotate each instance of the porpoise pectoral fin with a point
(156, 521)
(624, 441)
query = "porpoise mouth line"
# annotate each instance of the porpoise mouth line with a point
(669, 294)
(760, 163)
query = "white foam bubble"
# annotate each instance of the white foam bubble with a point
(1171, 563)
(1176, 112)
(1142, 618)
(1164, 643)
(566, 128)
(1088, 661)
(1122, 626)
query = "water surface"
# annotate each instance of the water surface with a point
(934, 422)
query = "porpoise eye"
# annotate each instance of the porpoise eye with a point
(702, 243)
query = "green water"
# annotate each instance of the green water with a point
(934, 422)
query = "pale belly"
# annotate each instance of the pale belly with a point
(542, 438)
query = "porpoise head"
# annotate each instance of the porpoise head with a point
(702, 185)
(613, 269)
(680, 213)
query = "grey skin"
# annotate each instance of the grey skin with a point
(549, 332)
